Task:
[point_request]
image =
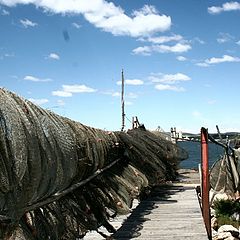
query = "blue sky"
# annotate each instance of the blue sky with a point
(181, 60)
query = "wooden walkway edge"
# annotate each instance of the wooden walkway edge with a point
(170, 212)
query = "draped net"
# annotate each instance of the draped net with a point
(46, 161)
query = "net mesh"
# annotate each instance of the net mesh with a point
(224, 174)
(43, 156)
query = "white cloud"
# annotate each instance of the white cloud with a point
(181, 58)
(215, 60)
(76, 25)
(116, 94)
(196, 39)
(224, 37)
(163, 87)
(54, 56)
(36, 79)
(226, 7)
(178, 48)
(164, 39)
(132, 95)
(128, 103)
(9, 55)
(202, 64)
(131, 82)
(4, 12)
(162, 48)
(211, 102)
(68, 90)
(224, 58)
(170, 78)
(39, 101)
(238, 42)
(27, 23)
(60, 102)
(61, 94)
(106, 15)
(196, 114)
(77, 88)
(145, 51)
(112, 93)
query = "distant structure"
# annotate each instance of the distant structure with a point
(161, 132)
(174, 135)
(177, 136)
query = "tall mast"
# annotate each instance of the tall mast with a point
(122, 101)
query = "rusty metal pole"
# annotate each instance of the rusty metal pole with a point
(205, 182)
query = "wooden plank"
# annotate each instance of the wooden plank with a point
(171, 212)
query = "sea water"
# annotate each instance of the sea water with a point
(194, 150)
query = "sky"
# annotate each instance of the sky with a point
(181, 60)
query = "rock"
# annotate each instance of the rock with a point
(231, 238)
(235, 216)
(214, 234)
(228, 229)
(224, 235)
(214, 223)
(221, 196)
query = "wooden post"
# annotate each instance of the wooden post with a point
(122, 101)
(205, 182)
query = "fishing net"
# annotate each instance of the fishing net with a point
(60, 179)
(224, 174)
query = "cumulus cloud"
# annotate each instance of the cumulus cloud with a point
(4, 12)
(177, 48)
(224, 37)
(54, 56)
(145, 50)
(106, 15)
(224, 58)
(76, 25)
(131, 82)
(40, 101)
(36, 79)
(60, 103)
(77, 88)
(181, 58)
(196, 114)
(162, 48)
(68, 90)
(164, 87)
(226, 7)
(163, 39)
(170, 78)
(217, 60)
(27, 23)
(128, 103)
(60, 93)
(202, 64)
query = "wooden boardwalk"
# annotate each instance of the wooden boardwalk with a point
(171, 212)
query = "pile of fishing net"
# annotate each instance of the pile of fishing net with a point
(225, 173)
(60, 179)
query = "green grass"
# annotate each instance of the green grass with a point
(224, 209)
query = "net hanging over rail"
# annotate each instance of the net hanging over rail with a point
(60, 178)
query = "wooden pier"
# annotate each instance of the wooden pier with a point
(170, 212)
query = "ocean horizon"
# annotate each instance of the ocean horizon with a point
(194, 150)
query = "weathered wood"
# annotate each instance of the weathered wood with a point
(171, 212)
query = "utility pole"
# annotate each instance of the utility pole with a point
(122, 101)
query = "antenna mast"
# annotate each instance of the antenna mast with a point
(122, 101)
